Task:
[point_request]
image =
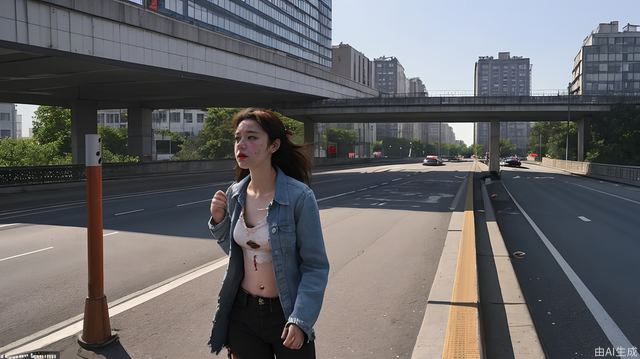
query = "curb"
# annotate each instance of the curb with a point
(524, 337)
(451, 324)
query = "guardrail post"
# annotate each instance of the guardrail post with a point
(96, 329)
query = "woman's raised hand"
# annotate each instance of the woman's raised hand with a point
(218, 206)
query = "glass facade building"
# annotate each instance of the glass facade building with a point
(608, 62)
(300, 28)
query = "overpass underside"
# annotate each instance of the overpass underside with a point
(88, 55)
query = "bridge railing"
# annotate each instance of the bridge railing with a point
(420, 99)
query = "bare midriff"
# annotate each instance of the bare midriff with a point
(259, 277)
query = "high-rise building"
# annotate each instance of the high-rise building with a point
(608, 62)
(417, 129)
(8, 121)
(389, 78)
(417, 87)
(352, 64)
(505, 76)
(301, 28)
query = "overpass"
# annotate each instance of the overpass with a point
(494, 109)
(88, 55)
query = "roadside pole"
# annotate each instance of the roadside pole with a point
(96, 330)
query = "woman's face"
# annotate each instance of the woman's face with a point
(252, 148)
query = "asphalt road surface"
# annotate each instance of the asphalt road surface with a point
(384, 229)
(580, 273)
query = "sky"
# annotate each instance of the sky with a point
(440, 41)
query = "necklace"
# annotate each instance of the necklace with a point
(265, 208)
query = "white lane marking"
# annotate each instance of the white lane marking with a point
(129, 212)
(384, 183)
(335, 196)
(327, 181)
(607, 193)
(606, 323)
(25, 254)
(74, 325)
(71, 205)
(396, 179)
(584, 218)
(108, 234)
(381, 203)
(9, 225)
(372, 187)
(190, 203)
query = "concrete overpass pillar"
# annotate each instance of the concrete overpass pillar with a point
(84, 120)
(309, 136)
(580, 124)
(494, 148)
(140, 141)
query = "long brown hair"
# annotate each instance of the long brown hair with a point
(292, 159)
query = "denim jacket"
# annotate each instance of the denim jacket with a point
(299, 259)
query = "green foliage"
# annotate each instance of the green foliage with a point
(28, 152)
(294, 126)
(615, 139)
(216, 137)
(52, 125)
(477, 149)
(114, 139)
(554, 139)
(189, 150)
(343, 139)
(506, 148)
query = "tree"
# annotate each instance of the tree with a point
(615, 139)
(296, 127)
(53, 125)
(28, 152)
(114, 140)
(506, 148)
(344, 140)
(217, 134)
(554, 138)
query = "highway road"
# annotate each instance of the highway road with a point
(384, 228)
(580, 272)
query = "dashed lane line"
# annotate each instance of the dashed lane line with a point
(25, 254)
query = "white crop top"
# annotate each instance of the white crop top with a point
(253, 240)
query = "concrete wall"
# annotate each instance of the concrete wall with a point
(623, 174)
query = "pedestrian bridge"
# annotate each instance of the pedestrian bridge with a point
(416, 108)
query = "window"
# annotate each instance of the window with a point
(4, 116)
(174, 117)
(200, 117)
(188, 117)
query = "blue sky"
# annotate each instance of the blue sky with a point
(439, 41)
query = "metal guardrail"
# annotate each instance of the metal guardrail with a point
(413, 99)
(11, 176)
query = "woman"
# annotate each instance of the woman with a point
(269, 224)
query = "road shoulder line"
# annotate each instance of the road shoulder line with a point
(524, 337)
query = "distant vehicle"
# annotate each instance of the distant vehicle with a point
(432, 160)
(512, 162)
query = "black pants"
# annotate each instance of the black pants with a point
(255, 329)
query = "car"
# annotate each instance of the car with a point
(512, 162)
(432, 160)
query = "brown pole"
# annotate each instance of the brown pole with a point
(96, 330)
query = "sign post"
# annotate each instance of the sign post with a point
(96, 330)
